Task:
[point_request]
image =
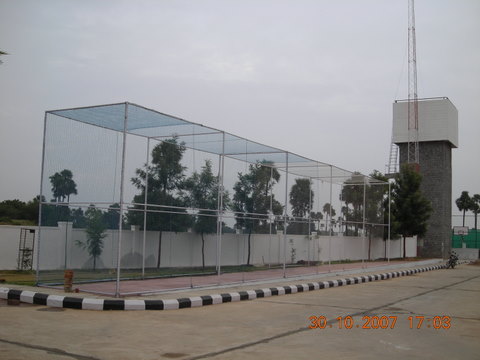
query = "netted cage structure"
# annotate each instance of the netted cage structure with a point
(129, 193)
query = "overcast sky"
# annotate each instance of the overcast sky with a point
(317, 78)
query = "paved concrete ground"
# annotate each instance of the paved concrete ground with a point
(269, 328)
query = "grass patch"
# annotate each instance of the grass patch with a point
(18, 277)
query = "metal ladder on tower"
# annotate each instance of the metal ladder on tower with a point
(392, 167)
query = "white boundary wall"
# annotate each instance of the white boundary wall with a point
(184, 249)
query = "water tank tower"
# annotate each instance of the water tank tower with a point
(437, 135)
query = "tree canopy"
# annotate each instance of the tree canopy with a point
(301, 199)
(410, 209)
(464, 203)
(95, 230)
(475, 207)
(253, 196)
(352, 195)
(11, 210)
(63, 185)
(166, 180)
(202, 190)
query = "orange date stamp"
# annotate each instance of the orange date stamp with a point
(379, 322)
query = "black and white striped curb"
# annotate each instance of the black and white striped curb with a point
(195, 301)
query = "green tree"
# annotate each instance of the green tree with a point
(31, 209)
(202, 195)
(12, 209)
(18, 210)
(78, 218)
(464, 203)
(166, 178)
(112, 216)
(475, 207)
(352, 195)
(95, 230)
(253, 200)
(327, 208)
(316, 216)
(301, 199)
(63, 185)
(410, 208)
(376, 207)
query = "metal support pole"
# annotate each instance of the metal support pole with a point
(221, 171)
(309, 219)
(66, 238)
(329, 226)
(389, 220)
(37, 272)
(341, 225)
(285, 220)
(122, 182)
(364, 222)
(271, 219)
(145, 213)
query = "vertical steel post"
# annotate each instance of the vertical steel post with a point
(309, 219)
(285, 220)
(66, 238)
(37, 272)
(221, 171)
(145, 213)
(122, 182)
(364, 223)
(329, 226)
(389, 220)
(341, 226)
(271, 217)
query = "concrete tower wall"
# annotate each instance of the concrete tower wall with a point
(436, 170)
(437, 135)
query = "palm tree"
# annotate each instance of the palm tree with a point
(475, 207)
(63, 185)
(327, 208)
(464, 202)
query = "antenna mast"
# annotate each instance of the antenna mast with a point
(413, 148)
